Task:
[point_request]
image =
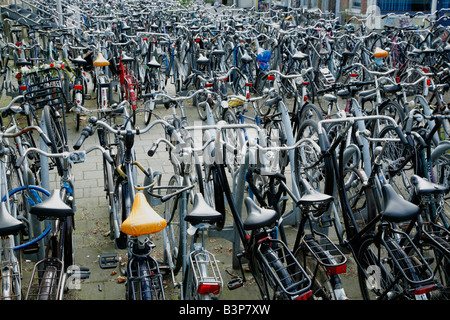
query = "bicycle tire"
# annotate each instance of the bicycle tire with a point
(232, 138)
(394, 157)
(55, 134)
(213, 194)
(147, 284)
(68, 254)
(310, 112)
(172, 216)
(148, 110)
(321, 286)
(391, 109)
(276, 136)
(264, 277)
(118, 210)
(321, 178)
(440, 264)
(373, 256)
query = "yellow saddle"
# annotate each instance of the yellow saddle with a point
(142, 219)
(101, 61)
(380, 53)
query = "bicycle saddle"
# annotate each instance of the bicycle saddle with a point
(313, 197)
(380, 53)
(21, 62)
(153, 63)
(218, 52)
(126, 58)
(52, 207)
(397, 209)
(142, 219)
(202, 59)
(258, 217)
(246, 58)
(300, 56)
(8, 224)
(202, 212)
(79, 60)
(422, 186)
(101, 61)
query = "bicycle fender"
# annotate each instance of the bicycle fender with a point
(443, 147)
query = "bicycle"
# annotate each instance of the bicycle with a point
(201, 278)
(50, 275)
(13, 218)
(385, 269)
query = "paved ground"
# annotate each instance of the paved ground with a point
(92, 225)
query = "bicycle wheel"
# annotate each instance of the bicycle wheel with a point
(118, 215)
(310, 112)
(321, 287)
(321, 176)
(172, 215)
(149, 106)
(268, 286)
(361, 198)
(213, 194)
(374, 274)
(439, 261)
(68, 253)
(233, 138)
(379, 275)
(276, 137)
(55, 134)
(394, 157)
(391, 109)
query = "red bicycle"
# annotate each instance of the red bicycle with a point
(129, 84)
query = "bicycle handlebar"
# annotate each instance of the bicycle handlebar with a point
(44, 137)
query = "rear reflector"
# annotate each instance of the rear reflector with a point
(205, 288)
(304, 296)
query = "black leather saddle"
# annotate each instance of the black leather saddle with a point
(423, 186)
(52, 207)
(8, 224)
(258, 217)
(202, 212)
(397, 209)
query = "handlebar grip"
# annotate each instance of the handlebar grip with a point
(86, 132)
(152, 150)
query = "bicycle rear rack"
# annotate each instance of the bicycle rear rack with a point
(46, 282)
(297, 282)
(327, 75)
(407, 257)
(206, 272)
(326, 253)
(145, 279)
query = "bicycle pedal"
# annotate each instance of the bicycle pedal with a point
(108, 261)
(79, 272)
(235, 283)
(164, 269)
